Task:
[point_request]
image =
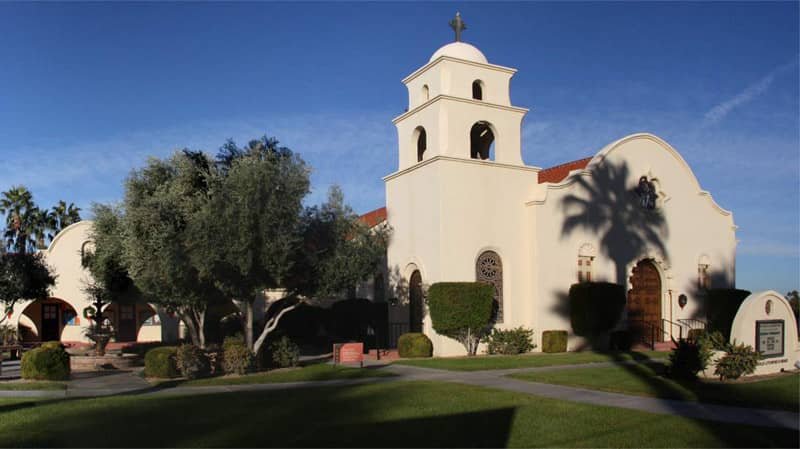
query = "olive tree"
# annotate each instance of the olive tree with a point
(163, 201)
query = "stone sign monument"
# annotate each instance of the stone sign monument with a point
(766, 322)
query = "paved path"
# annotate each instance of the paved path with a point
(128, 382)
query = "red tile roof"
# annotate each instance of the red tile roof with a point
(559, 172)
(374, 217)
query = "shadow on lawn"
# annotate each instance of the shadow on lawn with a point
(314, 417)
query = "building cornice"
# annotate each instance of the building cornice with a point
(460, 160)
(427, 66)
(442, 97)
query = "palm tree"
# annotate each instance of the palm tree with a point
(17, 204)
(64, 215)
(43, 223)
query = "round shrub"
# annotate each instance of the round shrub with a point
(192, 362)
(52, 345)
(236, 358)
(554, 341)
(414, 344)
(739, 360)
(509, 342)
(687, 359)
(161, 362)
(284, 353)
(46, 363)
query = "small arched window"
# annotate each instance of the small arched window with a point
(586, 255)
(477, 90)
(481, 140)
(422, 142)
(425, 93)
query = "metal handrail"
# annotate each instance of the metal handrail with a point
(693, 323)
(672, 323)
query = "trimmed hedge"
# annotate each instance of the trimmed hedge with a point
(47, 362)
(595, 307)
(414, 344)
(554, 341)
(687, 359)
(461, 310)
(161, 362)
(721, 307)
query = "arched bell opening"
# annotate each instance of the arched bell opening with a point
(421, 139)
(481, 138)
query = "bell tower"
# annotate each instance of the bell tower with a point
(459, 106)
(457, 200)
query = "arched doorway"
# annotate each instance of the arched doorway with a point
(415, 302)
(49, 317)
(644, 301)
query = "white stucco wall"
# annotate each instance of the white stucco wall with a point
(63, 256)
(694, 226)
(448, 208)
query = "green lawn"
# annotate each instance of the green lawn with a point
(312, 372)
(649, 380)
(404, 414)
(32, 385)
(487, 362)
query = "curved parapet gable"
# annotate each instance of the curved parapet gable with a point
(607, 152)
(68, 231)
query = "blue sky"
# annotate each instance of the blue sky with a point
(89, 91)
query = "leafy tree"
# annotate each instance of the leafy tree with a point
(462, 311)
(247, 232)
(110, 280)
(794, 300)
(23, 276)
(163, 202)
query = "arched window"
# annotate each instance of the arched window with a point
(415, 302)
(425, 93)
(477, 90)
(481, 141)
(703, 276)
(489, 269)
(422, 142)
(586, 255)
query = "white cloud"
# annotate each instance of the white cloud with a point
(720, 111)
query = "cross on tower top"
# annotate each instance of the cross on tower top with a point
(458, 26)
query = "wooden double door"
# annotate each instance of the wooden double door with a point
(644, 301)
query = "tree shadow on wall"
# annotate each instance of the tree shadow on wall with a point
(605, 204)
(612, 206)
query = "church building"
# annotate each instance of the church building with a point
(464, 206)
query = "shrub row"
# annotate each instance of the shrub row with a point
(554, 341)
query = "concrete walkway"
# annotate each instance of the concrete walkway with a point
(129, 382)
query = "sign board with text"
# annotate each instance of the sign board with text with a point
(769, 338)
(348, 353)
